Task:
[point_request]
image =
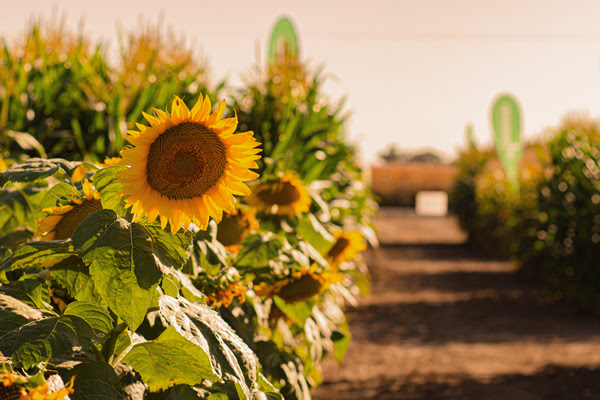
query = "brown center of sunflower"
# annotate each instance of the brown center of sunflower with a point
(280, 193)
(232, 229)
(70, 221)
(300, 289)
(338, 248)
(185, 161)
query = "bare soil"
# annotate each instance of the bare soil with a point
(443, 322)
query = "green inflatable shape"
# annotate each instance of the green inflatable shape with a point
(283, 38)
(506, 124)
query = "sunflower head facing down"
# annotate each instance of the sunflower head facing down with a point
(62, 221)
(185, 167)
(347, 245)
(234, 227)
(300, 286)
(283, 196)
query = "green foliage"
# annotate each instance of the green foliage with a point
(128, 308)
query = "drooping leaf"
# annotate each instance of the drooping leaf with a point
(14, 313)
(40, 340)
(122, 263)
(108, 185)
(37, 168)
(96, 315)
(38, 254)
(30, 289)
(95, 380)
(231, 358)
(169, 360)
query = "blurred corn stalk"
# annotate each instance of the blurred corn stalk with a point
(60, 97)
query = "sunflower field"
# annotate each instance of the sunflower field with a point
(161, 241)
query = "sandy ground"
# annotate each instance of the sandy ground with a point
(443, 322)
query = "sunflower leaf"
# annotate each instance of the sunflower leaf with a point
(37, 341)
(169, 360)
(19, 207)
(313, 232)
(231, 358)
(108, 185)
(96, 315)
(95, 380)
(30, 289)
(172, 249)
(123, 265)
(257, 250)
(38, 254)
(14, 313)
(75, 276)
(37, 168)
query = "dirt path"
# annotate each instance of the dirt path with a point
(445, 323)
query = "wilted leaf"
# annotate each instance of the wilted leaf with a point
(230, 357)
(122, 263)
(169, 360)
(15, 313)
(36, 168)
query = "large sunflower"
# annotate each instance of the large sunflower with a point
(63, 220)
(234, 227)
(346, 247)
(286, 195)
(186, 166)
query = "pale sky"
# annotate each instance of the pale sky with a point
(415, 72)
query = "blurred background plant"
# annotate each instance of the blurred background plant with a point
(60, 96)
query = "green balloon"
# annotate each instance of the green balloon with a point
(283, 38)
(506, 124)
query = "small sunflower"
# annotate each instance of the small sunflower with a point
(234, 227)
(299, 286)
(63, 220)
(80, 171)
(286, 195)
(346, 247)
(186, 166)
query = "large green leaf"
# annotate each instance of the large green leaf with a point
(169, 360)
(96, 315)
(122, 263)
(14, 313)
(58, 191)
(20, 207)
(40, 340)
(172, 249)
(108, 185)
(257, 250)
(231, 358)
(94, 380)
(38, 254)
(75, 276)
(36, 168)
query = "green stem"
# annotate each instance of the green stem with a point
(97, 354)
(109, 347)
